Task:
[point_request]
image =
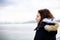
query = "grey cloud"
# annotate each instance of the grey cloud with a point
(6, 2)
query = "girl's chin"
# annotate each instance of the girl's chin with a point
(37, 22)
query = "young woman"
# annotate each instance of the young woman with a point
(46, 28)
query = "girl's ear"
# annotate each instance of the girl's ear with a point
(51, 27)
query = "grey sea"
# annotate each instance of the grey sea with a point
(19, 31)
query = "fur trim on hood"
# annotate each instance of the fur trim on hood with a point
(50, 27)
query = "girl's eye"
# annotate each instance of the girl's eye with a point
(37, 16)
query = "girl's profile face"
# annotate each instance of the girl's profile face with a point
(38, 18)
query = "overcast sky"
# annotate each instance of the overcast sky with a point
(26, 10)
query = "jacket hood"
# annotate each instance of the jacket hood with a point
(48, 20)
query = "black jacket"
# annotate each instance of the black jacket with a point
(42, 34)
